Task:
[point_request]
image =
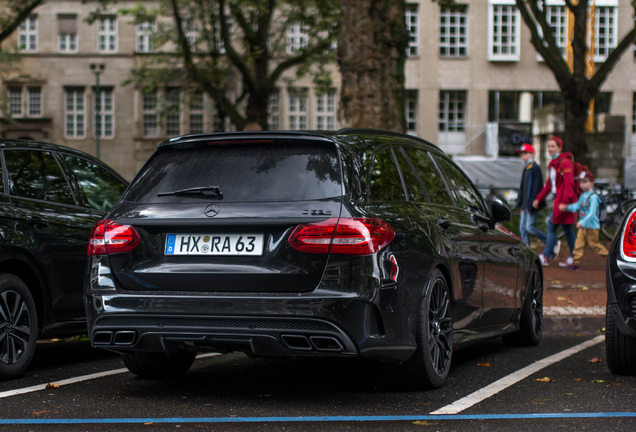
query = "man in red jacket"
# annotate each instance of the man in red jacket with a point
(561, 183)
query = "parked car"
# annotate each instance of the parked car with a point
(351, 243)
(50, 198)
(620, 328)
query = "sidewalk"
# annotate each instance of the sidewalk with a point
(574, 301)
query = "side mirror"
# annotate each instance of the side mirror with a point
(500, 210)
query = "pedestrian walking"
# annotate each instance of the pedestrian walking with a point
(589, 223)
(560, 183)
(529, 188)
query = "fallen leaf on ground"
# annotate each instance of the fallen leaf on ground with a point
(423, 403)
(578, 379)
(424, 423)
(569, 394)
(483, 364)
(571, 302)
(556, 281)
(40, 412)
(618, 383)
(597, 381)
(585, 288)
(52, 386)
(538, 403)
(595, 360)
(546, 379)
(561, 298)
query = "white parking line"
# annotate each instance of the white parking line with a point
(39, 387)
(505, 382)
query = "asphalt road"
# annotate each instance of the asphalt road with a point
(322, 395)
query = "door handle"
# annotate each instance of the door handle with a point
(444, 223)
(36, 222)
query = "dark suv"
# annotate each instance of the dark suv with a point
(356, 242)
(50, 198)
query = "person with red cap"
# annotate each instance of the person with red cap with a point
(560, 182)
(589, 223)
(531, 185)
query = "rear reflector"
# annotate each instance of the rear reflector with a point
(628, 248)
(109, 237)
(344, 236)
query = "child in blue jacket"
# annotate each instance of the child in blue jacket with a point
(589, 224)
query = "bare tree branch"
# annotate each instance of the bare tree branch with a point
(599, 77)
(20, 16)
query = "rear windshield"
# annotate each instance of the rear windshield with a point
(272, 170)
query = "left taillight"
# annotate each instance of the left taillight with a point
(108, 237)
(628, 246)
(344, 236)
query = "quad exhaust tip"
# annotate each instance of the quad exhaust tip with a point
(317, 343)
(123, 337)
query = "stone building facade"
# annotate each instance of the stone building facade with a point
(468, 72)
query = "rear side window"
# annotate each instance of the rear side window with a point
(101, 188)
(430, 177)
(467, 196)
(37, 175)
(384, 182)
(416, 194)
(276, 170)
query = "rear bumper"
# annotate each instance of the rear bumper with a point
(317, 324)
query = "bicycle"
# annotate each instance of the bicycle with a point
(619, 201)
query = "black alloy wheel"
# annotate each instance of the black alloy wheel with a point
(531, 320)
(620, 349)
(18, 326)
(439, 336)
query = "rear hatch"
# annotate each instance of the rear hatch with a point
(215, 216)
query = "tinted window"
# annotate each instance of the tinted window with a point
(430, 177)
(101, 188)
(278, 170)
(384, 182)
(465, 194)
(36, 174)
(410, 179)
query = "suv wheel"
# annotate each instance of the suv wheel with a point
(531, 321)
(18, 326)
(429, 366)
(158, 364)
(620, 350)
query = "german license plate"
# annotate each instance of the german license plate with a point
(214, 244)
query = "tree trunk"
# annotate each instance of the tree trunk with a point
(575, 118)
(372, 54)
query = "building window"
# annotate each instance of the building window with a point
(412, 16)
(452, 111)
(410, 110)
(149, 114)
(196, 113)
(556, 17)
(453, 32)
(15, 101)
(74, 110)
(604, 32)
(28, 34)
(34, 101)
(107, 34)
(273, 111)
(173, 117)
(67, 33)
(296, 37)
(104, 126)
(144, 36)
(503, 31)
(298, 110)
(326, 110)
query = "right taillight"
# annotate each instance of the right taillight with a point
(108, 237)
(628, 247)
(343, 236)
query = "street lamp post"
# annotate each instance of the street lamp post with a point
(97, 69)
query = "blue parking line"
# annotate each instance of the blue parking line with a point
(319, 419)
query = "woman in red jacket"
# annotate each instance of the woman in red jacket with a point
(561, 183)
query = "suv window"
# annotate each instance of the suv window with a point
(384, 181)
(430, 177)
(36, 174)
(467, 197)
(412, 184)
(101, 188)
(274, 170)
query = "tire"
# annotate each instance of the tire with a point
(18, 326)
(531, 320)
(620, 350)
(158, 365)
(429, 365)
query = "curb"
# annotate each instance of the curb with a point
(573, 324)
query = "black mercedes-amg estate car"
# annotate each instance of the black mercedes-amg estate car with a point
(349, 243)
(50, 198)
(620, 330)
